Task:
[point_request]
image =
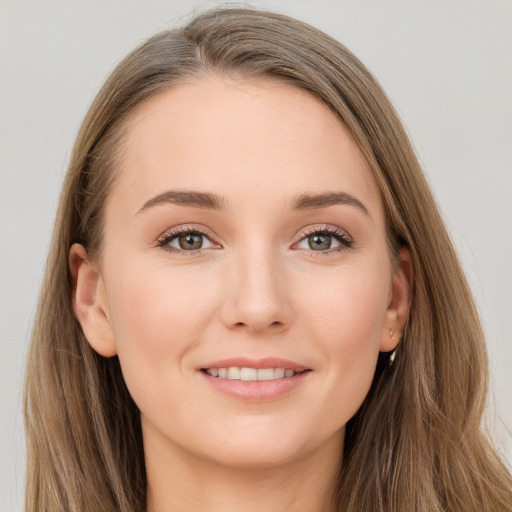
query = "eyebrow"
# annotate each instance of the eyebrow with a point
(195, 199)
(210, 201)
(313, 201)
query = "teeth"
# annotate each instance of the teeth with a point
(266, 374)
(250, 374)
(234, 373)
(279, 373)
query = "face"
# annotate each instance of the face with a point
(245, 236)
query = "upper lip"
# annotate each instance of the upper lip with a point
(265, 362)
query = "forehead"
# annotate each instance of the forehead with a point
(259, 139)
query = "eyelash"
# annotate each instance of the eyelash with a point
(168, 237)
(340, 236)
(345, 240)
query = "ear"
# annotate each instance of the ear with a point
(399, 303)
(90, 302)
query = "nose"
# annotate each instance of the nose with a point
(256, 294)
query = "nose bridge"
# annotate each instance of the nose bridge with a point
(256, 294)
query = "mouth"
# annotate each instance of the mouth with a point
(255, 381)
(247, 374)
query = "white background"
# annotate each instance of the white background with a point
(446, 64)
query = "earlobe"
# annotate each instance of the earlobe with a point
(89, 302)
(399, 304)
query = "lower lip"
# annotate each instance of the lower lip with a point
(256, 391)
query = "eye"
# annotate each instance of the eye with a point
(323, 240)
(187, 240)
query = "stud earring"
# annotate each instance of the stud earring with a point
(391, 334)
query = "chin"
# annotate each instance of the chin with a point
(266, 449)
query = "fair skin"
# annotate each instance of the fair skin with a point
(183, 285)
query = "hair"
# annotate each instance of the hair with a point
(416, 443)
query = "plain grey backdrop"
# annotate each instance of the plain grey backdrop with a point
(446, 64)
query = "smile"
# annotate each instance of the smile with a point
(255, 380)
(250, 374)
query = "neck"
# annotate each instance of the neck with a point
(179, 481)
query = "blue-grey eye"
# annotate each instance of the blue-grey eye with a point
(320, 242)
(190, 241)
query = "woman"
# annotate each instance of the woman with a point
(251, 300)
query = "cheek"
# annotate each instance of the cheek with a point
(158, 315)
(349, 307)
(155, 298)
(346, 320)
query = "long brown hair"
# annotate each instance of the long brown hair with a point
(416, 443)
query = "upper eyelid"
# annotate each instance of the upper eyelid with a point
(178, 230)
(323, 229)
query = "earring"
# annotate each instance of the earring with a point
(393, 354)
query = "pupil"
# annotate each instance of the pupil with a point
(319, 242)
(191, 241)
